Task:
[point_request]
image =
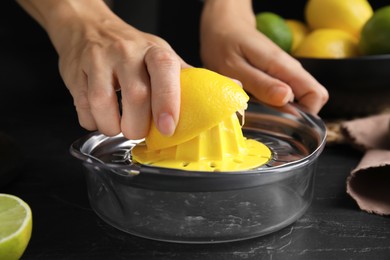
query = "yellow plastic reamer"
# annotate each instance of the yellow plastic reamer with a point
(221, 148)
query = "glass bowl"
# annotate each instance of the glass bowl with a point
(207, 207)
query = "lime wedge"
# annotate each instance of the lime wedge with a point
(15, 226)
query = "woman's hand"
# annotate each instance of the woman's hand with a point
(231, 45)
(100, 54)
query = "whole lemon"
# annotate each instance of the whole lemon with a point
(299, 31)
(375, 35)
(275, 27)
(328, 43)
(347, 15)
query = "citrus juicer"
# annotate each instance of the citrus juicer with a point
(208, 134)
(220, 148)
(192, 206)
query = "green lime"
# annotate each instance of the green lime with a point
(275, 27)
(15, 226)
(375, 34)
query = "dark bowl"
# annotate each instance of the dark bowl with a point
(357, 86)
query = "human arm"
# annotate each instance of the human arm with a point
(231, 45)
(100, 54)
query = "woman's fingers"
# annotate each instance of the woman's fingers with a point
(164, 71)
(286, 70)
(76, 81)
(102, 97)
(142, 66)
(136, 111)
(240, 51)
(265, 88)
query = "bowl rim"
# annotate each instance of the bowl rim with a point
(144, 176)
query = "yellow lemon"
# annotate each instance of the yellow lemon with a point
(275, 28)
(299, 31)
(375, 35)
(206, 99)
(347, 15)
(328, 43)
(208, 136)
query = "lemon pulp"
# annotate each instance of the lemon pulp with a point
(221, 148)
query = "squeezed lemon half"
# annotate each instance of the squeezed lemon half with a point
(208, 136)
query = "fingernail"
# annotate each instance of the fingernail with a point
(166, 124)
(282, 94)
(292, 97)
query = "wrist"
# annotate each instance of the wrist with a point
(214, 10)
(64, 20)
(76, 18)
(227, 13)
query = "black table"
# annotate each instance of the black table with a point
(37, 112)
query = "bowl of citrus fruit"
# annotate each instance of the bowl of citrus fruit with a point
(345, 45)
(234, 169)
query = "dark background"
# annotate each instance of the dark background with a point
(37, 111)
(26, 50)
